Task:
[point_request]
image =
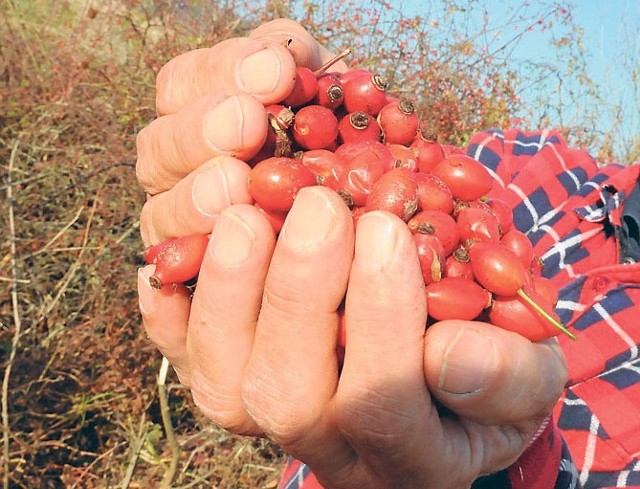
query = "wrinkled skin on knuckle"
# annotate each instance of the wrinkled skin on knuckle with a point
(282, 416)
(282, 424)
(223, 410)
(370, 419)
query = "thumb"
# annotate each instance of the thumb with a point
(493, 376)
(305, 49)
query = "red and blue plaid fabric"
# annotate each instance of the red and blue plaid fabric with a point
(583, 221)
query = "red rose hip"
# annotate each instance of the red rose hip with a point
(275, 182)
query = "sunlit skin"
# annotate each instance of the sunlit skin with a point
(257, 342)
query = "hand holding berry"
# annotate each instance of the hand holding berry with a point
(257, 343)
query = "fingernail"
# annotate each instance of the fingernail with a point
(259, 73)
(233, 241)
(222, 125)
(309, 221)
(376, 241)
(210, 192)
(467, 362)
(147, 295)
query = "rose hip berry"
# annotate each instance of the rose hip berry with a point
(431, 256)
(518, 242)
(467, 178)
(399, 122)
(438, 223)
(476, 224)
(456, 298)
(359, 176)
(274, 182)
(497, 268)
(304, 89)
(433, 194)
(348, 151)
(366, 93)
(396, 192)
(330, 91)
(315, 127)
(429, 151)
(358, 126)
(326, 165)
(178, 260)
(404, 157)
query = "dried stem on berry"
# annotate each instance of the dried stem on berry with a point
(283, 142)
(332, 61)
(523, 295)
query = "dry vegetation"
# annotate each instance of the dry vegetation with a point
(80, 404)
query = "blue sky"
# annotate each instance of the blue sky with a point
(611, 39)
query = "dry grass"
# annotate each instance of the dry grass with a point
(80, 401)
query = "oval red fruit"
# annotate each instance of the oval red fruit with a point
(304, 89)
(497, 268)
(326, 165)
(503, 213)
(275, 182)
(519, 243)
(315, 127)
(365, 92)
(514, 314)
(178, 259)
(359, 176)
(404, 157)
(438, 223)
(348, 151)
(458, 264)
(433, 194)
(429, 150)
(467, 178)
(456, 298)
(330, 92)
(396, 192)
(398, 122)
(358, 126)
(475, 224)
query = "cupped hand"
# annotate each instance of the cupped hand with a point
(257, 342)
(257, 347)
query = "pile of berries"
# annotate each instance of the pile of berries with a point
(346, 132)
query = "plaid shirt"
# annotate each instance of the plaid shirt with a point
(583, 221)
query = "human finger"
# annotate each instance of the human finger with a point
(225, 309)
(382, 401)
(165, 315)
(293, 371)
(174, 145)
(493, 376)
(261, 67)
(303, 46)
(194, 203)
